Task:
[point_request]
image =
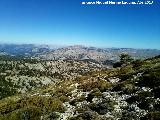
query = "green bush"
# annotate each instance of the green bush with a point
(103, 107)
(100, 84)
(137, 64)
(64, 98)
(150, 80)
(7, 88)
(33, 106)
(140, 97)
(125, 58)
(95, 93)
(117, 64)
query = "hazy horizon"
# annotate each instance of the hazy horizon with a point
(63, 46)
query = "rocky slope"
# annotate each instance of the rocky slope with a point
(128, 92)
(23, 74)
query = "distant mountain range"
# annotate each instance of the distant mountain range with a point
(23, 49)
(102, 55)
(76, 52)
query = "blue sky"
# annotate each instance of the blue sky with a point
(67, 22)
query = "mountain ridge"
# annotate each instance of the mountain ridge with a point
(105, 56)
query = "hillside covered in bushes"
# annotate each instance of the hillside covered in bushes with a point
(128, 91)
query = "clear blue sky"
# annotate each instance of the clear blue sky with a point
(67, 22)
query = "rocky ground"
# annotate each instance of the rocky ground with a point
(23, 75)
(126, 92)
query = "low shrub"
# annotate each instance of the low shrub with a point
(100, 84)
(94, 93)
(102, 107)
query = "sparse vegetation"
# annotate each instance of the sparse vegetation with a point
(34, 89)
